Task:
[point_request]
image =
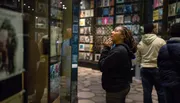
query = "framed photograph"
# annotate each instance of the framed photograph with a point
(11, 30)
(81, 55)
(41, 22)
(82, 22)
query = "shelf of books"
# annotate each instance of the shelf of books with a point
(157, 15)
(104, 13)
(173, 12)
(128, 14)
(86, 30)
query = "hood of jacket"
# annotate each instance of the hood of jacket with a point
(130, 53)
(148, 38)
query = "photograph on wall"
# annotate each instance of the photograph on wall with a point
(41, 22)
(11, 52)
(82, 30)
(81, 47)
(119, 9)
(54, 81)
(120, 19)
(81, 55)
(135, 18)
(88, 56)
(172, 9)
(82, 22)
(82, 39)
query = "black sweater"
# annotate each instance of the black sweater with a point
(115, 65)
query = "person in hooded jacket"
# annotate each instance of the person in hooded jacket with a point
(169, 65)
(146, 56)
(115, 64)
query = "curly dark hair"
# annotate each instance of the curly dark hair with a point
(11, 43)
(128, 38)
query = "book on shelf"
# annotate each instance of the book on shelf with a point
(119, 9)
(160, 11)
(99, 21)
(104, 20)
(172, 9)
(135, 29)
(128, 8)
(128, 26)
(87, 30)
(88, 56)
(111, 2)
(92, 4)
(119, 1)
(88, 21)
(87, 13)
(127, 19)
(82, 39)
(81, 55)
(155, 5)
(106, 3)
(160, 2)
(119, 19)
(81, 30)
(98, 31)
(105, 11)
(82, 13)
(178, 8)
(91, 39)
(97, 57)
(135, 7)
(87, 39)
(135, 18)
(92, 12)
(110, 20)
(155, 15)
(112, 11)
(82, 47)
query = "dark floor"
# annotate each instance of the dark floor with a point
(90, 90)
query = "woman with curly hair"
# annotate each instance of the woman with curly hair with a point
(115, 64)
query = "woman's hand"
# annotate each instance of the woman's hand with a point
(108, 42)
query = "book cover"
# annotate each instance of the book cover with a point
(97, 57)
(103, 30)
(98, 31)
(104, 20)
(87, 13)
(119, 19)
(160, 2)
(160, 11)
(92, 12)
(88, 56)
(135, 7)
(127, 19)
(156, 3)
(178, 8)
(87, 39)
(106, 3)
(135, 29)
(88, 21)
(92, 4)
(82, 39)
(105, 11)
(112, 11)
(81, 47)
(119, 1)
(82, 22)
(91, 39)
(81, 55)
(128, 8)
(82, 30)
(172, 9)
(110, 20)
(86, 47)
(111, 3)
(82, 13)
(135, 18)
(119, 9)
(86, 31)
(155, 15)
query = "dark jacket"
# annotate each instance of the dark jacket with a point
(169, 63)
(115, 65)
